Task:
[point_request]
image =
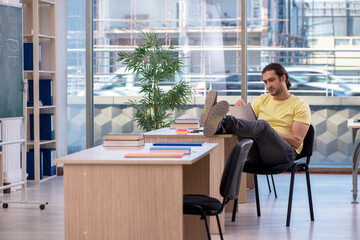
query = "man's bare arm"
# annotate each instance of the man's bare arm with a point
(299, 130)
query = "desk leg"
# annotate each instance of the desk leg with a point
(129, 202)
(1, 170)
(355, 168)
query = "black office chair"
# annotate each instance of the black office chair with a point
(204, 205)
(273, 183)
(297, 166)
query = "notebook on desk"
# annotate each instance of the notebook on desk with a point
(244, 112)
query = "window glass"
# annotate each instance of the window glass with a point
(310, 38)
(356, 42)
(344, 42)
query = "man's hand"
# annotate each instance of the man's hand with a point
(240, 103)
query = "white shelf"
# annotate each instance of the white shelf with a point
(46, 2)
(45, 178)
(41, 72)
(47, 72)
(41, 36)
(42, 107)
(42, 142)
(46, 36)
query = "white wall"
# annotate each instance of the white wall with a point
(61, 80)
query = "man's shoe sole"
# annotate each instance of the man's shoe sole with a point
(210, 101)
(215, 117)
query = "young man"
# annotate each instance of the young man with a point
(283, 120)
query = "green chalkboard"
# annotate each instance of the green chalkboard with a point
(11, 62)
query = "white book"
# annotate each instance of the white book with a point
(187, 120)
(123, 143)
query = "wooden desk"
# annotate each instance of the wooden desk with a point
(218, 156)
(355, 157)
(108, 196)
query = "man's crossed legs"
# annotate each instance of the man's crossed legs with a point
(269, 147)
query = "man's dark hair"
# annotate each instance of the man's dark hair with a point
(280, 71)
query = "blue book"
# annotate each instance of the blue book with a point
(199, 144)
(47, 131)
(185, 150)
(45, 92)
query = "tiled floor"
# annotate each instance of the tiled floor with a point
(335, 216)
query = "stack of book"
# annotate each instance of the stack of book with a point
(123, 140)
(190, 123)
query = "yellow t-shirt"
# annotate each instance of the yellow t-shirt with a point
(281, 114)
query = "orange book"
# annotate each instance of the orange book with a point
(154, 155)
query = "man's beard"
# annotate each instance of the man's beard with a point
(278, 91)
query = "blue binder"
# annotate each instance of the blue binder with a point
(30, 165)
(45, 92)
(47, 131)
(49, 154)
(28, 57)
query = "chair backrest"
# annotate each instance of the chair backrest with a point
(230, 181)
(308, 144)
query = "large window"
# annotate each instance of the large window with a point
(317, 41)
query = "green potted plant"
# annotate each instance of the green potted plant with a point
(155, 64)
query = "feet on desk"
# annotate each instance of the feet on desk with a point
(210, 101)
(215, 117)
